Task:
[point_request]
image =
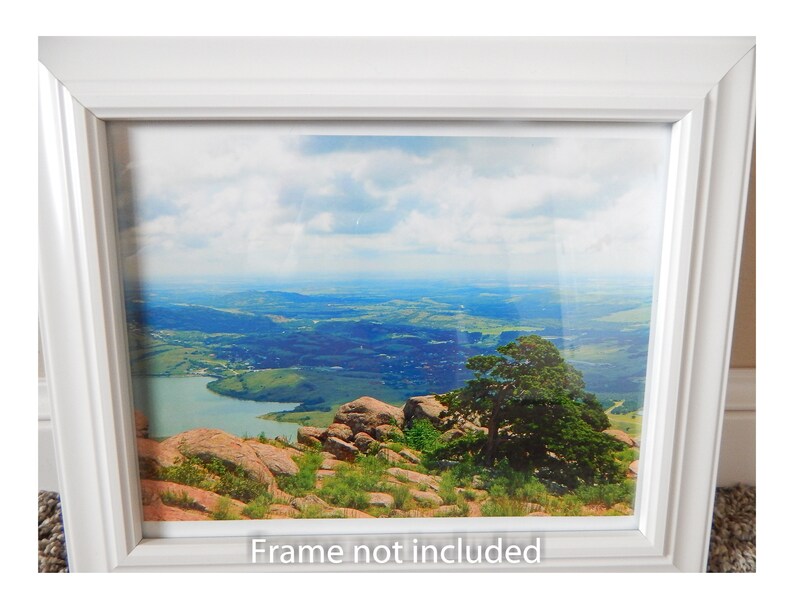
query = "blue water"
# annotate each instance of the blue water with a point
(177, 404)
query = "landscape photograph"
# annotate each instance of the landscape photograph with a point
(332, 322)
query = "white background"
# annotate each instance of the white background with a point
(23, 23)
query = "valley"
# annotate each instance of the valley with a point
(319, 345)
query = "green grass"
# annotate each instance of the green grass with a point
(567, 505)
(317, 419)
(600, 352)
(188, 471)
(312, 511)
(186, 354)
(446, 488)
(423, 436)
(459, 510)
(235, 483)
(503, 506)
(351, 485)
(251, 384)
(630, 423)
(214, 476)
(303, 482)
(223, 510)
(426, 314)
(181, 500)
(608, 495)
(509, 491)
(626, 457)
(259, 507)
(319, 392)
(402, 497)
(640, 315)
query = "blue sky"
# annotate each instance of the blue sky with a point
(250, 200)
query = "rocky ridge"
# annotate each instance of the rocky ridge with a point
(363, 427)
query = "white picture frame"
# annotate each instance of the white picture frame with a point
(703, 87)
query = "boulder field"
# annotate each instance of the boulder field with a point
(365, 426)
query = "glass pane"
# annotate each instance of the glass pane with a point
(369, 320)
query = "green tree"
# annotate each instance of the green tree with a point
(536, 412)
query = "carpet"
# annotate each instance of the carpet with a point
(732, 548)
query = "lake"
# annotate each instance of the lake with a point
(177, 404)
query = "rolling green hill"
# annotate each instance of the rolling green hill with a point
(318, 390)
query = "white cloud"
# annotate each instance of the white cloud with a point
(239, 199)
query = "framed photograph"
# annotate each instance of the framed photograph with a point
(365, 308)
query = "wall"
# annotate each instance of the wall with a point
(737, 455)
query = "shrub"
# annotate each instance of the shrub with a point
(351, 484)
(533, 490)
(402, 496)
(461, 510)
(312, 511)
(503, 506)
(625, 457)
(213, 475)
(303, 482)
(422, 435)
(224, 509)
(239, 486)
(466, 448)
(424, 503)
(609, 494)
(187, 471)
(508, 481)
(446, 488)
(259, 507)
(181, 500)
(567, 505)
(372, 470)
(465, 470)
(342, 491)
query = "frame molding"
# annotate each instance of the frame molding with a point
(703, 86)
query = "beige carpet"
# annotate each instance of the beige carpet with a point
(732, 534)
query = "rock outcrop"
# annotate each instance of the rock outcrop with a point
(326, 457)
(342, 450)
(364, 442)
(278, 459)
(307, 435)
(365, 414)
(622, 437)
(308, 501)
(392, 457)
(423, 407)
(339, 430)
(452, 434)
(411, 476)
(381, 499)
(388, 432)
(427, 499)
(141, 424)
(202, 502)
(152, 456)
(206, 443)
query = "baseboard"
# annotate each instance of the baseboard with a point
(48, 470)
(737, 456)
